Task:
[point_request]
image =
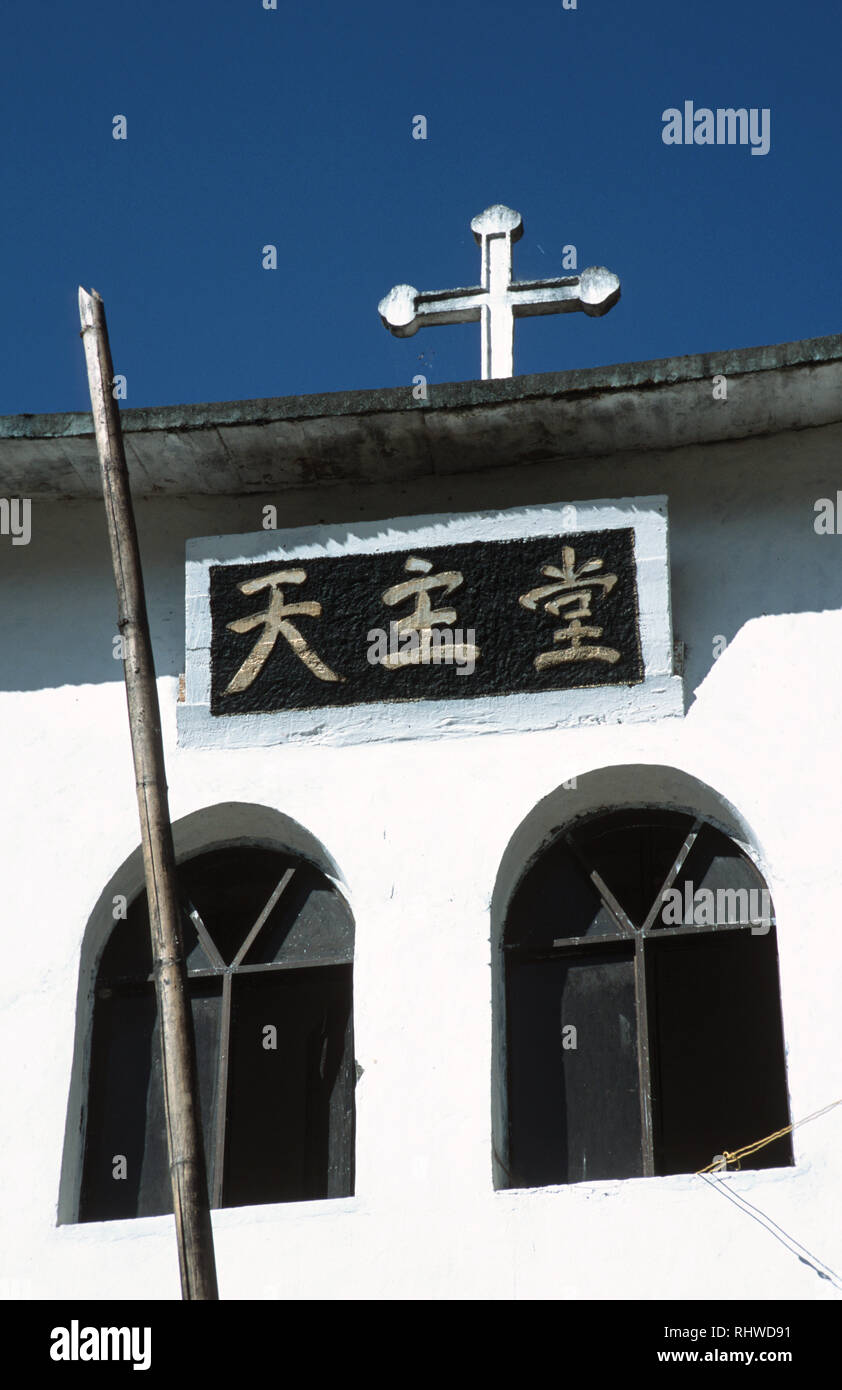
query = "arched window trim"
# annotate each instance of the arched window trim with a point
(199, 832)
(728, 826)
(570, 826)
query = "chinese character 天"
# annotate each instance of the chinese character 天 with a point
(276, 623)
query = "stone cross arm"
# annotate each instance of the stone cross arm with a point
(405, 309)
(498, 300)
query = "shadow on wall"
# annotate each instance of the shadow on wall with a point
(742, 546)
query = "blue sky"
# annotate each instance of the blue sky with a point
(293, 127)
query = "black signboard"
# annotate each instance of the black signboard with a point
(481, 618)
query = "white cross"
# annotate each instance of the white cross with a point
(498, 301)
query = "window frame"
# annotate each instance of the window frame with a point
(626, 933)
(336, 962)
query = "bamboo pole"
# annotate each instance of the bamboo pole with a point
(188, 1173)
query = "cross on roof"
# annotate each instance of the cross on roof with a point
(499, 300)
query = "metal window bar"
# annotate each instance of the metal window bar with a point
(627, 929)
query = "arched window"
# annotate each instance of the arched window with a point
(643, 1021)
(269, 945)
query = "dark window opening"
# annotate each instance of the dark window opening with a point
(269, 946)
(643, 1021)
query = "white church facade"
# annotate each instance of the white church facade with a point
(494, 944)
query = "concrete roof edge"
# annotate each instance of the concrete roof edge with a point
(624, 376)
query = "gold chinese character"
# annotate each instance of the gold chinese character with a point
(275, 622)
(572, 587)
(420, 644)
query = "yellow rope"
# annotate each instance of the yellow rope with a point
(760, 1143)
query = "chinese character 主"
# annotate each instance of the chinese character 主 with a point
(420, 643)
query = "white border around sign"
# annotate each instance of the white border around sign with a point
(659, 695)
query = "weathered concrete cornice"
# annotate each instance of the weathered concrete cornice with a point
(236, 447)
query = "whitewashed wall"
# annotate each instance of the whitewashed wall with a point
(417, 832)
